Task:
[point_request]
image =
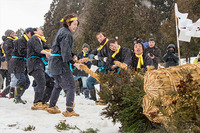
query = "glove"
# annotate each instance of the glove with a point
(105, 59)
(96, 57)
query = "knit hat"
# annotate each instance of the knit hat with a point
(29, 30)
(152, 39)
(171, 46)
(85, 45)
(8, 32)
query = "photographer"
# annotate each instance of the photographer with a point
(170, 58)
(154, 52)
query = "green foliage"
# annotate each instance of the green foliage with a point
(63, 126)
(123, 19)
(185, 106)
(123, 95)
(90, 130)
(29, 128)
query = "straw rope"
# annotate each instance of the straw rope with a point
(121, 65)
(87, 70)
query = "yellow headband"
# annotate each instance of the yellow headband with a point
(68, 20)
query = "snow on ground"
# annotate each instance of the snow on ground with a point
(15, 117)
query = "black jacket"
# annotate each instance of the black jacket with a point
(146, 59)
(123, 56)
(81, 72)
(156, 52)
(35, 46)
(19, 50)
(171, 58)
(8, 47)
(104, 52)
(63, 45)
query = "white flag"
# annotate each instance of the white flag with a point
(180, 15)
(187, 28)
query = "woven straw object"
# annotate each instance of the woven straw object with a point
(85, 59)
(157, 84)
(121, 65)
(87, 70)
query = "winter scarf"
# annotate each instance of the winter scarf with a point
(41, 37)
(13, 38)
(104, 43)
(84, 53)
(25, 36)
(116, 52)
(140, 60)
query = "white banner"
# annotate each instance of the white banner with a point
(187, 28)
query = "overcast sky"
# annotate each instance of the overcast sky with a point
(15, 14)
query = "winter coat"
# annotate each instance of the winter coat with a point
(20, 50)
(63, 45)
(35, 46)
(81, 72)
(123, 56)
(156, 52)
(146, 59)
(171, 58)
(104, 52)
(8, 47)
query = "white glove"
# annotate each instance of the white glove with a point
(96, 57)
(105, 59)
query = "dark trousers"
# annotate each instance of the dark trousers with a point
(22, 80)
(91, 82)
(41, 93)
(64, 81)
(4, 74)
(48, 88)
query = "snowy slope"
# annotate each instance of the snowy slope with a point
(19, 116)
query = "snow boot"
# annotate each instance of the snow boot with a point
(70, 112)
(11, 92)
(53, 110)
(18, 94)
(93, 95)
(38, 106)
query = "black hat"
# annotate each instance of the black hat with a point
(152, 39)
(171, 46)
(8, 32)
(85, 45)
(29, 30)
(3, 38)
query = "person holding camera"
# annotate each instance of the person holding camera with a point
(170, 58)
(154, 52)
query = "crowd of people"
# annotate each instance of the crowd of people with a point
(55, 68)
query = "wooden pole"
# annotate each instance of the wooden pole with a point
(179, 54)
